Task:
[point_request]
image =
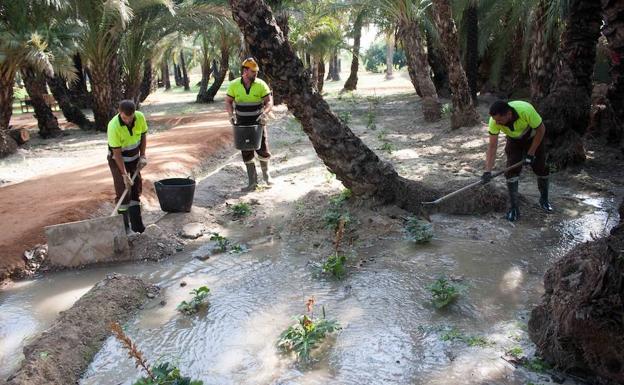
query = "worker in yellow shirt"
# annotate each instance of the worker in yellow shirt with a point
(525, 131)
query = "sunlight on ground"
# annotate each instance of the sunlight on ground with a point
(63, 301)
(512, 280)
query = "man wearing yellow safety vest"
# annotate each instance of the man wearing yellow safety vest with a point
(126, 152)
(524, 130)
(247, 102)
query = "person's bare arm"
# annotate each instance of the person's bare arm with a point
(268, 104)
(229, 106)
(143, 144)
(119, 160)
(537, 139)
(490, 156)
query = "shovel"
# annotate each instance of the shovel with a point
(90, 241)
(468, 187)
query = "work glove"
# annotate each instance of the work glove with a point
(529, 159)
(486, 177)
(142, 162)
(127, 181)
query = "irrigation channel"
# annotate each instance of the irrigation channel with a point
(391, 334)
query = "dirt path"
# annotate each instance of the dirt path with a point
(82, 191)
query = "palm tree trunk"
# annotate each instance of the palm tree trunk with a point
(185, 79)
(147, 84)
(164, 70)
(104, 98)
(78, 92)
(417, 62)
(437, 62)
(566, 108)
(202, 96)
(36, 87)
(351, 83)
(389, 56)
(321, 75)
(177, 75)
(613, 16)
(223, 67)
(336, 73)
(354, 164)
(72, 113)
(464, 113)
(7, 78)
(330, 72)
(471, 20)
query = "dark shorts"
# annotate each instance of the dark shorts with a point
(133, 195)
(516, 150)
(263, 151)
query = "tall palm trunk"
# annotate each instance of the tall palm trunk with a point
(541, 57)
(321, 75)
(78, 91)
(354, 164)
(147, 83)
(223, 67)
(351, 83)
(437, 62)
(464, 113)
(7, 77)
(202, 96)
(103, 77)
(72, 113)
(471, 20)
(335, 76)
(389, 56)
(164, 71)
(185, 79)
(613, 16)
(417, 62)
(36, 87)
(177, 75)
(566, 108)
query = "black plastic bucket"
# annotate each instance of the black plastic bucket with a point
(175, 195)
(247, 137)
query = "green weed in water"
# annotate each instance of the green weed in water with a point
(238, 249)
(536, 364)
(418, 230)
(335, 265)
(166, 374)
(455, 335)
(241, 209)
(198, 300)
(222, 242)
(515, 352)
(443, 292)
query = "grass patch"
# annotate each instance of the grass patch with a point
(198, 301)
(454, 334)
(344, 195)
(537, 365)
(388, 147)
(222, 242)
(443, 292)
(418, 230)
(515, 352)
(241, 209)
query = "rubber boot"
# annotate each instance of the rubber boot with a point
(136, 221)
(264, 165)
(514, 212)
(542, 186)
(252, 175)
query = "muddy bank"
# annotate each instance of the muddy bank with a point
(579, 327)
(61, 353)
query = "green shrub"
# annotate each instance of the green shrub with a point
(335, 265)
(241, 209)
(418, 230)
(388, 147)
(198, 300)
(334, 215)
(166, 374)
(340, 198)
(305, 335)
(222, 242)
(443, 292)
(344, 116)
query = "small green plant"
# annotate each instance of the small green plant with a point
(162, 374)
(443, 292)
(370, 118)
(418, 230)
(329, 177)
(477, 341)
(454, 334)
(198, 300)
(451, 335)
(237, 249)
(343, 196)
(306, 334)
(241, 209)
(382, 135)
(447, 109)
(335, 265)
(388, 147)
(222, 242)
(515, 352)
(344, 116)
(537, 365)
(334, 215)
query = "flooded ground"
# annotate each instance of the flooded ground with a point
(391, 333)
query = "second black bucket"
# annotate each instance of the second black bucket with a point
(175, 195)
(247, 137)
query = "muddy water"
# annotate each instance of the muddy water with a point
(391, 333)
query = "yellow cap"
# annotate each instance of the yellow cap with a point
(251, 64)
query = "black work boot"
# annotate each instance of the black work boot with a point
(264, 165)
(252, 175)
(514, 212)
(124, 214)
(136, 221)
(542, 186)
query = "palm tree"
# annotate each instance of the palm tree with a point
(613, 16)
(407, 15)
(464, 113)
(354, 164)
(228, 37)
(565, 109)
(351, 83)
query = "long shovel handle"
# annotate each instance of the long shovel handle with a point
(136, 172)
(435, 202)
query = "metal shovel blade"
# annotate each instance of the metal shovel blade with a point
(85, 242)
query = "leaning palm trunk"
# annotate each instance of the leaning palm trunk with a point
(351, 83)
(418, 65)
(541, 60)
(185, 78)
(613, 16)
(223, 67)
(464, 113)
(36, 87)
(202, 96)
(354, 164)
(78, 91)
(566, 108)
(72, 113)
